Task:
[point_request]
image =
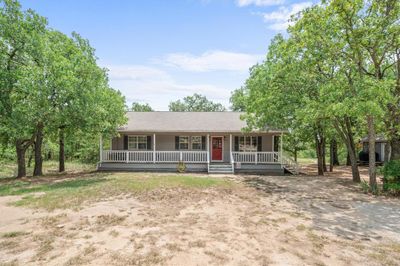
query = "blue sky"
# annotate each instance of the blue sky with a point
(159, 51)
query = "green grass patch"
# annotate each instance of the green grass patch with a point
(72, 193)
(8, 169)
(14, 234)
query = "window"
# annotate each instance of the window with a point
(137, 143)
(196, 143)
(183, 142)
(247, 143)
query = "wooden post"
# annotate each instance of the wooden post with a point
(101, 148)
(154, 148)
(208, 148)
(230, 147)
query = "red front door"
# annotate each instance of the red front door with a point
(216, 149)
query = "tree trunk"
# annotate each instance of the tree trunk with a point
(344, 128)
(295, 155)
(331, 157)
(324, 154)
(320, 160)
(61, 165)
(371, 148)
(21, 146)
(348, 161)
(334, 152)
(30, 158)
(38, 170)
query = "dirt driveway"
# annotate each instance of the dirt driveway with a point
(261, 220)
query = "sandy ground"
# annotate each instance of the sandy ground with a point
(265, 220)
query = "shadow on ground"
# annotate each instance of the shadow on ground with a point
(335, 204)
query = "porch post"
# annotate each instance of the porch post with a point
(154, 148)
(208, 148)
(230, 147)
(101, 148)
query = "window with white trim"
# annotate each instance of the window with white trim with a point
(183, 142)
(248, 143)
(137, 142)
(196, 143)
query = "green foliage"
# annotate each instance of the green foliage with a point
(195, 103)
(141, 107)
(50, 79)
(336, 69)
(391, 176)
(238, 100)
(367, 188)
(181, 168)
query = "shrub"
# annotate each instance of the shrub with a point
(181, 167)
(391, 176)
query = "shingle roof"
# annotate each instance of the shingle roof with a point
(184, 122)
(379, 138)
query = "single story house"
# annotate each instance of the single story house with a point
(212, 142)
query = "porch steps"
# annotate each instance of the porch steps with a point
(220, 168)
(290, 166)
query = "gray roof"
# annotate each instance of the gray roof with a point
(185, 122)
(379, 138)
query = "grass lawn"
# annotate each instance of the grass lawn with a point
(9, 169)
(71, 193)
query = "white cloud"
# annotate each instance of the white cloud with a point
(242, 3)
(212, 61)
(154, 86)
(279, 19)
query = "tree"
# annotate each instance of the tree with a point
(195, 103)
(50, 83)
(368, 31)
(81, 98)
(141, 107)
(283, 94)
(21, 45)
(238, 100)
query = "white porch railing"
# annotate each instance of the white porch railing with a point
(194, 156)
(256, 157)
(160, 156)
(186, 156)
(127, 156)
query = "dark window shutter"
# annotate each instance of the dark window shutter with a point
(125, 142)
(176, 142)
(236, 143)
(203, 143)
(149, 143)
(259, 143)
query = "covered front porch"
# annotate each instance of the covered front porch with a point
(141, 151)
